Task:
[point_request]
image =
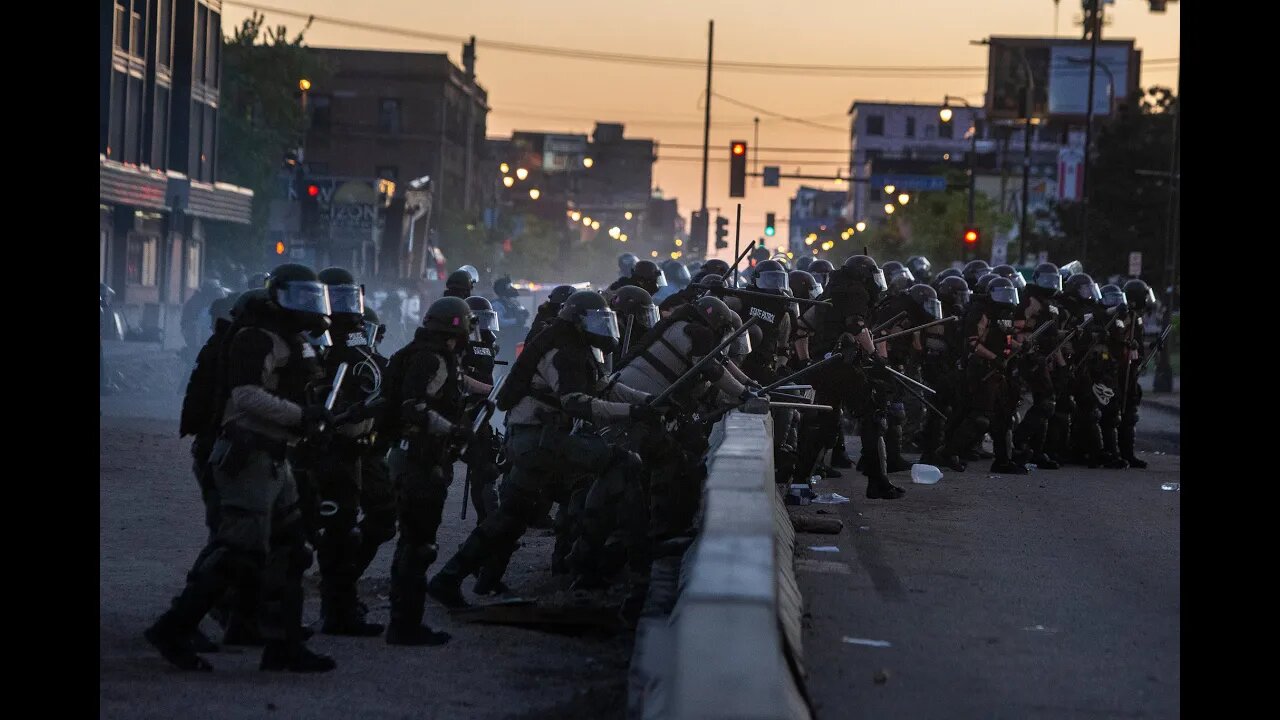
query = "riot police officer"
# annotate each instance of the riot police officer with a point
(626, 261)
(820, 270)
(645, 274)
(460, 284)
(992, 394)
(973, 271)
(334, 463)
(1039, 365)
(844, 326)
(424, 388)
(548, 310)
(260, 536)
(949, 272)
(920, 268)
(941, 369)
(636, 315)
(1141, 299)
(557, 378)
(377, 493)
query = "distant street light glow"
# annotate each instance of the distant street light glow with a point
(522, 174)
(888, 208)
(508, 180)
(504, 168)
(534, 193)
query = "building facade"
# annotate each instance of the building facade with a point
(817, 217)
(594, 184)
(396, 115)
(160, 67)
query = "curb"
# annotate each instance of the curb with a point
(731, 647)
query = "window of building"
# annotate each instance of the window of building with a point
(122, 27)
(911, 127)
(947, 130)
(140, 260)
(200, 43)
(388, 172)
(873, 155)
(115, 130)
(132, 122)
(160, 129)
(206, 143)
(193, 266)
(389, 116)
(875, 125)
(930, 132)
(213, 45)
(194, 134)
(137, 28)
(321, 112)
(164, 34)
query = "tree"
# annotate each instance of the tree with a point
(260, 120)
(933, 223)
(1128, 197)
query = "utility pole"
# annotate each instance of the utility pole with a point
(1163, 379)
(1092, 28)
(755, 150)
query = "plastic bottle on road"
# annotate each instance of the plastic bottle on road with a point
(925, 474)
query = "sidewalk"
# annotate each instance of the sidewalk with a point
(1168, 401)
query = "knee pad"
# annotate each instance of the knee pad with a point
(1095, 415)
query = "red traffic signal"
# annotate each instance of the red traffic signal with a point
(971, 236)
(279, 248)
(313, 190)
(738, 168)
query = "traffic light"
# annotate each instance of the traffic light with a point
(722, 232)
(697, 232)
(738, 168)
(971, 237)
(768, 224)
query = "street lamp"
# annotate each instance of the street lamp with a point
(627, 215)
(588, 162)
(504, 168)
(304, 84)
(888, 189)
(508, 180)
(888, 208)
(945, 115)
(521, 173)
(861, 226)
(535, 193)
(903, 199)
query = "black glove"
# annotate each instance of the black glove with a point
(314, 415)
(460, 434)
(645, 414)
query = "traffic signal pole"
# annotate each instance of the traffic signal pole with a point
(706, 126)
(737, 237)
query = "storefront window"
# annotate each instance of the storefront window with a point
(193, 266)
(140, 268)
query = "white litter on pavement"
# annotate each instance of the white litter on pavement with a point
(824, 548)
(864, 641)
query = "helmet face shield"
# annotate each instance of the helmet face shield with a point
(320, 340)
(933, 308)
(1018, 281)
(603, 323)
(662, 279)
(648, 317)
(878, 279)
(346, 299)
(821, 277)
(1090, 292)
(741, 346)
(1049, 281)
(1005, 295)
(307, 297)
(1112, 298)
(475, 274)
(905, 272)
(772, 280)
(817, 291)
(486, 320)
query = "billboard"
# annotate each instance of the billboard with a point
(563, 152)
(1058, 71)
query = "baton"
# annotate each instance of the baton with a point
(338, 377)
(753, 293)
(888, 323)
(908, 331)
(697, 367)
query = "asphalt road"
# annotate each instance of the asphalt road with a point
(1053, 595)
(151, 530)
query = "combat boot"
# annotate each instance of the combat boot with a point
(873, 462)
(1008, 467)
(243, 632)
(446, 589)
(201, 642)
(1044, 462)
(175, 646)
(840, 458)
(293, 656)
(1126, 434)
(489, 581)
(406, 627)
(349, 623)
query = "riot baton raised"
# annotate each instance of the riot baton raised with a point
(626, 336)
(750, 246)
(706, 359)
(908, 331)
(888, 323)
(753, 293)
(905, 378)
(1029, 343)
(1159, 344)
(338, 377)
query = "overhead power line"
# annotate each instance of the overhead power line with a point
(869, 71)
